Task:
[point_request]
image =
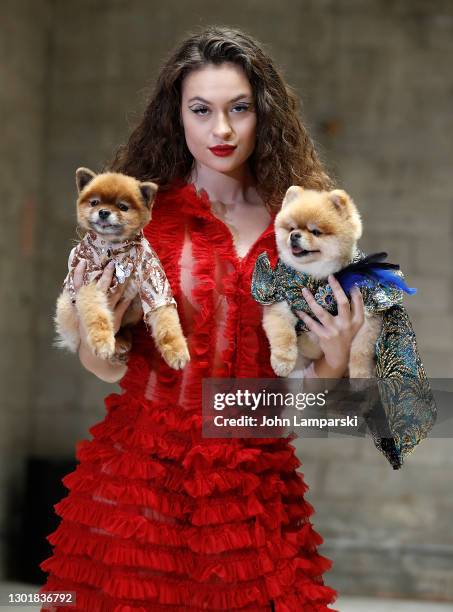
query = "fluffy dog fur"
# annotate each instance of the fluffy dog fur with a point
(116, 207)
(316, 233)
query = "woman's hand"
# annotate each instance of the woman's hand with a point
(116, 303)
(335, 333)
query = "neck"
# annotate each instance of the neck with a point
(234, 187)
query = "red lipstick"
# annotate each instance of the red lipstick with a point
(222, 150)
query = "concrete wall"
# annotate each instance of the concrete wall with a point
(24, 66)
(376, 84)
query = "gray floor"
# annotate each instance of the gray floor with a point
(343, 604)
(361, 604)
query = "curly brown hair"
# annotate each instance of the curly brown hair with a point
(284, 153)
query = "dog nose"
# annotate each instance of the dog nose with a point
(295, 236)
(103, 214)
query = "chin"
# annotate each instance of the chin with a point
(314, 264)
(226, 165)
(116, 233)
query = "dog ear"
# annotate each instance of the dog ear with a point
(148, 191)
(291, 194)
(345, 206)
(339, 199)
(83, 177)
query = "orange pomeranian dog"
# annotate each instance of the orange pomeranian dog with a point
(113, 209)
(316, 234)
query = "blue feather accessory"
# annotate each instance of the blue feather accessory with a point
(371, 271)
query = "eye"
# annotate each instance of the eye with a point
(200, 110)
(316, 232)
(241, 107)
(94, 201)
(122, 206)
(291, 228)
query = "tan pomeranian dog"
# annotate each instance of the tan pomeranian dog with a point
(316, 233)
(113, 209)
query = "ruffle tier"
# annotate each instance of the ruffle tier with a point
(216, 525)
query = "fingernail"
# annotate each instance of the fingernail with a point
(111, 263)
(304, 290)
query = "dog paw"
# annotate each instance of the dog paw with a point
(176, 354)
(282, 364)
(103, 348)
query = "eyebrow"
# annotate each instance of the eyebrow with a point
(207, 102)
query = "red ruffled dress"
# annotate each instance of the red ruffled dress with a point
(157, 517)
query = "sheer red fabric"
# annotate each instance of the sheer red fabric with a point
(157, 517)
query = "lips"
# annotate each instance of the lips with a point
(222, 150)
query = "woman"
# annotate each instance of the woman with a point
(158, 517)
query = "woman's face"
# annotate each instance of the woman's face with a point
(217, 108)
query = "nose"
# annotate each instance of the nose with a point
(103, 214)
(295, 237)
(222, 128)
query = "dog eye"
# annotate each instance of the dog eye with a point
(123, 206)
(316, 232)
(94, 201)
